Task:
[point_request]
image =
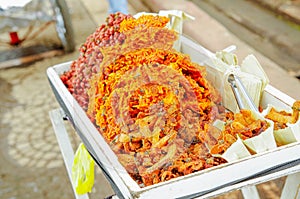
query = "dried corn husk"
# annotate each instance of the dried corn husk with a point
(264, 141)
(289, 134)
(242, 148)
(236, 151)
(250, 72)
(177, 17)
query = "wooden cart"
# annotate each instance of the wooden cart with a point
(267, 166)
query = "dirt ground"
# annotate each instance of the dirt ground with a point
(31, 162)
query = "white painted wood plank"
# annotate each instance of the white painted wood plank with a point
(65, 146)
(291, 187)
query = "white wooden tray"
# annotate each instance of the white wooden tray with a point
(189, 186)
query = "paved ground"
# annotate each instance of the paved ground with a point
(31, 163)
(265, 31)
(285, 8)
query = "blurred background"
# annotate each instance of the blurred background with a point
(31, 163)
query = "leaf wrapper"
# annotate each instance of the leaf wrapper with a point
(250, 72)
(286, 135)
